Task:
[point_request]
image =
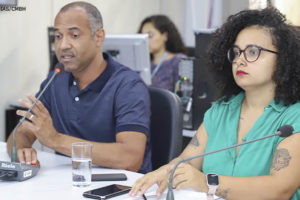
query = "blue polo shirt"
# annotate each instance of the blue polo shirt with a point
(118, 100)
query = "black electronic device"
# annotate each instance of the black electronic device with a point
(107, 191)
(212, 179)
(197, 88)
(51, 44)
(11, 171)
(109, 177)
(185, 89)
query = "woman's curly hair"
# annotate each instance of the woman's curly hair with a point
(285, 38)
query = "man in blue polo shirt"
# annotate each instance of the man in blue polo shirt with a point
(95, 99)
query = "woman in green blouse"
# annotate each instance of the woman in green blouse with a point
(255, 57)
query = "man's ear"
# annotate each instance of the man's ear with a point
(99, 37)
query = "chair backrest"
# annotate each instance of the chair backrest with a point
(165, 126)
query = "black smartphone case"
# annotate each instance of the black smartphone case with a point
(109, 177)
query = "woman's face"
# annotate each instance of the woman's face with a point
(157, 40)
(257, 74)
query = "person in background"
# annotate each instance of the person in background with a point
(166, 49)
(94, 100)
(256, 61)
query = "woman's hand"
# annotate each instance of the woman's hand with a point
(159, 176)
(187, 176)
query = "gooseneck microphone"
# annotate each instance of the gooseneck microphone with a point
(283, 131)
(14, 157)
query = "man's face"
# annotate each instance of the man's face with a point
(74, 44)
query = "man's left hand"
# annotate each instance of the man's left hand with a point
(40, 123)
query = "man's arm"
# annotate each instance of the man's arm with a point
(126, 153)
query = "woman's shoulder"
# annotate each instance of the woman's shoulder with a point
(175, 57)
(293, 108)
(291, 116)
(180, 55)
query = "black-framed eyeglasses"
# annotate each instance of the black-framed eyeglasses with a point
(251, 52)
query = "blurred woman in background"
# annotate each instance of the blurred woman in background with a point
(166, 49)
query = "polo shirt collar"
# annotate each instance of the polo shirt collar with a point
(279, 107)
(236, 101)
(98, 84)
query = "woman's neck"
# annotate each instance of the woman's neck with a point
(158, 55)
(258, 100)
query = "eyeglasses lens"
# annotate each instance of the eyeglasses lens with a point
(251, 53)
(233, 53)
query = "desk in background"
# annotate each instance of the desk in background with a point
(54, 181)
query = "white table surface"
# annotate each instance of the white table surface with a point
(54, 181)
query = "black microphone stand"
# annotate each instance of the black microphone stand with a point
(14, 155)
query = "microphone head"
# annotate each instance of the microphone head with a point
(285, 130)
(59, 67)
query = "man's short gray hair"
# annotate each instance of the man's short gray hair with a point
(94, 15)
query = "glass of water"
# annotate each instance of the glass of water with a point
(81, 164)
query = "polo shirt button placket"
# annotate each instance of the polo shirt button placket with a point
(266, 108)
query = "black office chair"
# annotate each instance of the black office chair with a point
(165, 127)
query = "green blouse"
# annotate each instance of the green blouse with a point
(254, 159)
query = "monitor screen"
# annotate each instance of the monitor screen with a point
(132, 51)
(8, 2)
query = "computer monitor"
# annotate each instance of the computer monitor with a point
(8, 2)
(198, 89)
(52, 56)
(132, 51)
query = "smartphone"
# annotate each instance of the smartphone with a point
(107, 191)
(109, 177)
